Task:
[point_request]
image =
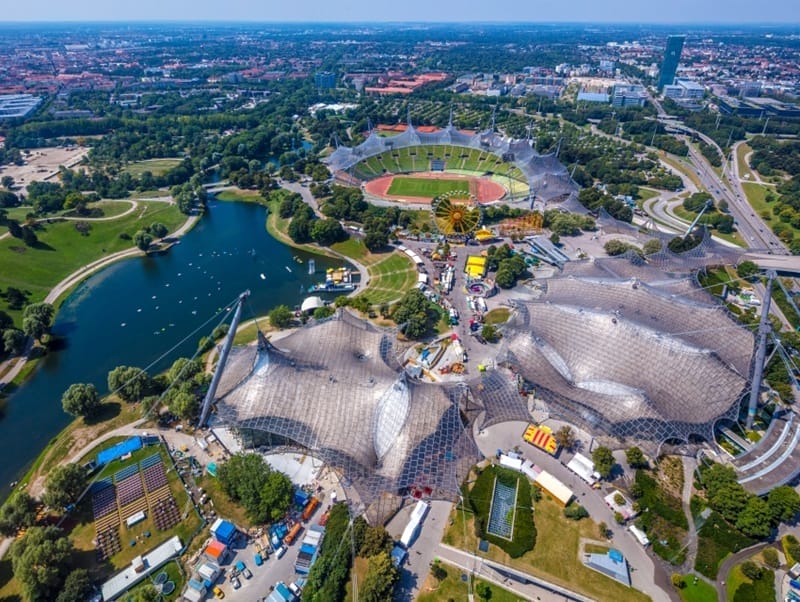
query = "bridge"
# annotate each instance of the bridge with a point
(785, 264)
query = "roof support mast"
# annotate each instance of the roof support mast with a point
(764, 328)
(223, 358)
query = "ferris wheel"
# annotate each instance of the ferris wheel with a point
(456, 213)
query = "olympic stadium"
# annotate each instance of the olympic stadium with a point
(499, 168)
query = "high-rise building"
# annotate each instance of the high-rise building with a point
(325, 80)
(669, 66)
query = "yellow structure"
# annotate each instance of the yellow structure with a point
(476, 266)
(541, 438)
(485, 234)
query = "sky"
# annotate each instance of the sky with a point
(614, 11)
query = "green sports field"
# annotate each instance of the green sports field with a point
(425, 187)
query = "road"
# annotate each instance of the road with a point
(522, 584)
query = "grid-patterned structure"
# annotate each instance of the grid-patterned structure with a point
(624, 357)
(337, 388)
(544, 173)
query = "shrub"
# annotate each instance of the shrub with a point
(576, 512)
(771, 558)
(678, 580)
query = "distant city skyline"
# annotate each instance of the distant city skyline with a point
(579, 11)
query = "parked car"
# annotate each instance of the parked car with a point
(236, 583)
(218, 593)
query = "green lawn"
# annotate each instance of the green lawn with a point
(498, 315)
(555, 556)
(744, 168)
(702, 591)
(761, 589)
(157, 167)
(426, 187)
(242, 196)
(645, 194)
(62, 249)
(454, 587)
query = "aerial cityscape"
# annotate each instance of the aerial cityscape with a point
(418, 302)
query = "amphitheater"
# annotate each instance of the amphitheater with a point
(510, 163)
(637, 362)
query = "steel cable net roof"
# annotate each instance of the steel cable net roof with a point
(546, 175)
(626, 358)
(337, 389)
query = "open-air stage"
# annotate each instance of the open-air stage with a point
(482, 189)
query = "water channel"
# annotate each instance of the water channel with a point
(134, 311)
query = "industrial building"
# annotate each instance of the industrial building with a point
(17, 106)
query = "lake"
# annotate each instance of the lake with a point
(135, 311)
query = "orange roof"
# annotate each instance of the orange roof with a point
(215, 549)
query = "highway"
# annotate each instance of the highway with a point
(757, 235)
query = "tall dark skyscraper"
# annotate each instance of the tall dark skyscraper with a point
(672, 55)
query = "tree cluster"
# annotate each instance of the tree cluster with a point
(415, 314)
(616, 247)
(510, 266)
(265, 494)
(752, 515)
(595, 199)
(567, 224)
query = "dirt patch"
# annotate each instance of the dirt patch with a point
(484, 189)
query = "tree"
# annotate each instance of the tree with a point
(281, 316)
(76, 588)
(602, 528)
(7, 182)
(730, 500)
(576, 512)
(415, 312)
(327, 231)
(37, 318)
(375, 541)
(771, 558)
(490, 333)
(603, 461)
(565, 437)
(483, 590)
(183, 402)
(129, 382)
(438, 571)
(635, 458)
(17, 513)
(81, 400)
(755, 519)
(183, 370)
(651, 246)
(381, 577)
(159, 230)
(555, 238)
(41, 562)
(64, 485)
(678, 581)
(275, 495)
(751, 570)
(784, 503)
(323, 312)
(142, 239)
(14, 341)
(264, 493)
(747, 269)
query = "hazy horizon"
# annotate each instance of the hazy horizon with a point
(619, 12)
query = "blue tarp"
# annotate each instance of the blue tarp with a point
(226, 531)
(301, 497)
(120, 449)
(307, 548)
